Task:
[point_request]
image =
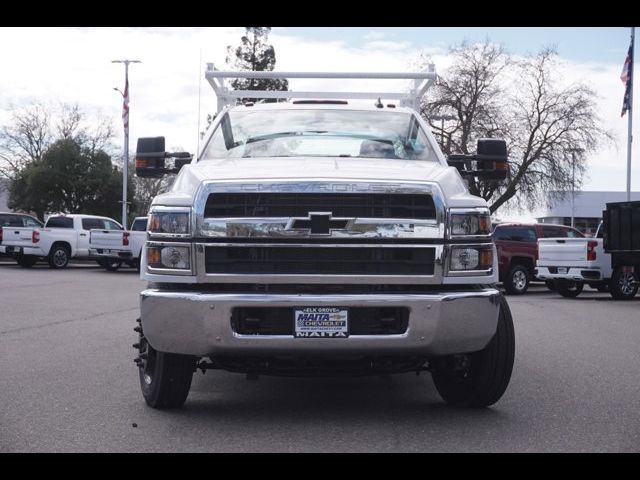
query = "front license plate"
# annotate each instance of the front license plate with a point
(562, 270)
(321, 322)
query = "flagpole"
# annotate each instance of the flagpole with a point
(125, 163)
(630, 120)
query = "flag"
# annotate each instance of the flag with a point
(626, 77)
(125, 105)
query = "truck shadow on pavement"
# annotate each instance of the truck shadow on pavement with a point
(402, 397)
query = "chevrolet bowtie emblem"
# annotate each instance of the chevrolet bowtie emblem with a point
(318, 223)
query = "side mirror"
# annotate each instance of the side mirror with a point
(490, 162)
(151, 158)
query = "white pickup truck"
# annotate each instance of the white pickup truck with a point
(572, 262)
(116, 247)
(318, 237)
(62, 238)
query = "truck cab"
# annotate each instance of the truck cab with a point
(320, 237)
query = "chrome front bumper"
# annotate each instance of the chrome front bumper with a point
(199, 323)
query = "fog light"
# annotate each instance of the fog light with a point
(464, 258)
(169, 257)
(175, 257)
(471, 258)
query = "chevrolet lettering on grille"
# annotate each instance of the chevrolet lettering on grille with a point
(319, 223)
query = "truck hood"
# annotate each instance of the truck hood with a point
(317, 168)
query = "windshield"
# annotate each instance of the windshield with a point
(319, 133)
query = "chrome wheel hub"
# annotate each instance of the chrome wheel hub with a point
(59, 258)
(626, 283)
(519, 280)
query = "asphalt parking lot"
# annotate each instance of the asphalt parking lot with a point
(68, 383)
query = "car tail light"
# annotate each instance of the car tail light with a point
(591, 250)
(35, 236)
(125, 238)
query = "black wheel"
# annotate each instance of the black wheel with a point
(551, 285)
(111, 264)
(478, 379)
(165, 378)
(623, 286)
(59, 256)
(517, 281)
(26, 261)
(569, 288)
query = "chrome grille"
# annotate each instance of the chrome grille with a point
(319, 259)
(285, 204)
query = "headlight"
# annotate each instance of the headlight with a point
(470, 258)
(169, 222)
(169, 257)
(468, 224)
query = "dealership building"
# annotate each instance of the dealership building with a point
(587, 208)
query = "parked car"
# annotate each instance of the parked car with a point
(11, 219)
(116, 247)
(517, 245)
(63, 237)
(621, 228)
(572, 262)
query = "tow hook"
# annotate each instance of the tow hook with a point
(140, 359)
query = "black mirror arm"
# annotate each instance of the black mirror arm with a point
(475, 165)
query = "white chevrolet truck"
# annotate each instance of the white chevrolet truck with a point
(573, 262)
(115, 247)
(320, 237)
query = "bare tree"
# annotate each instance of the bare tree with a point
(469, 97)
(25, 139)
(549, 128)
(147, 189)
(69, 121)
(34, 128)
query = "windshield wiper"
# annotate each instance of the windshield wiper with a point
(270, 136)
(358, 136)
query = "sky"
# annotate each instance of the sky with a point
(170, 97)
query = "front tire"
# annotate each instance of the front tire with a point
(165, 378)
(59, 257)
(622, 285)
(569, 288)
(517, 281)
(479, 379)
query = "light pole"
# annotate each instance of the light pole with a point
(573, 185)
(125, 121)
(573, 181)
